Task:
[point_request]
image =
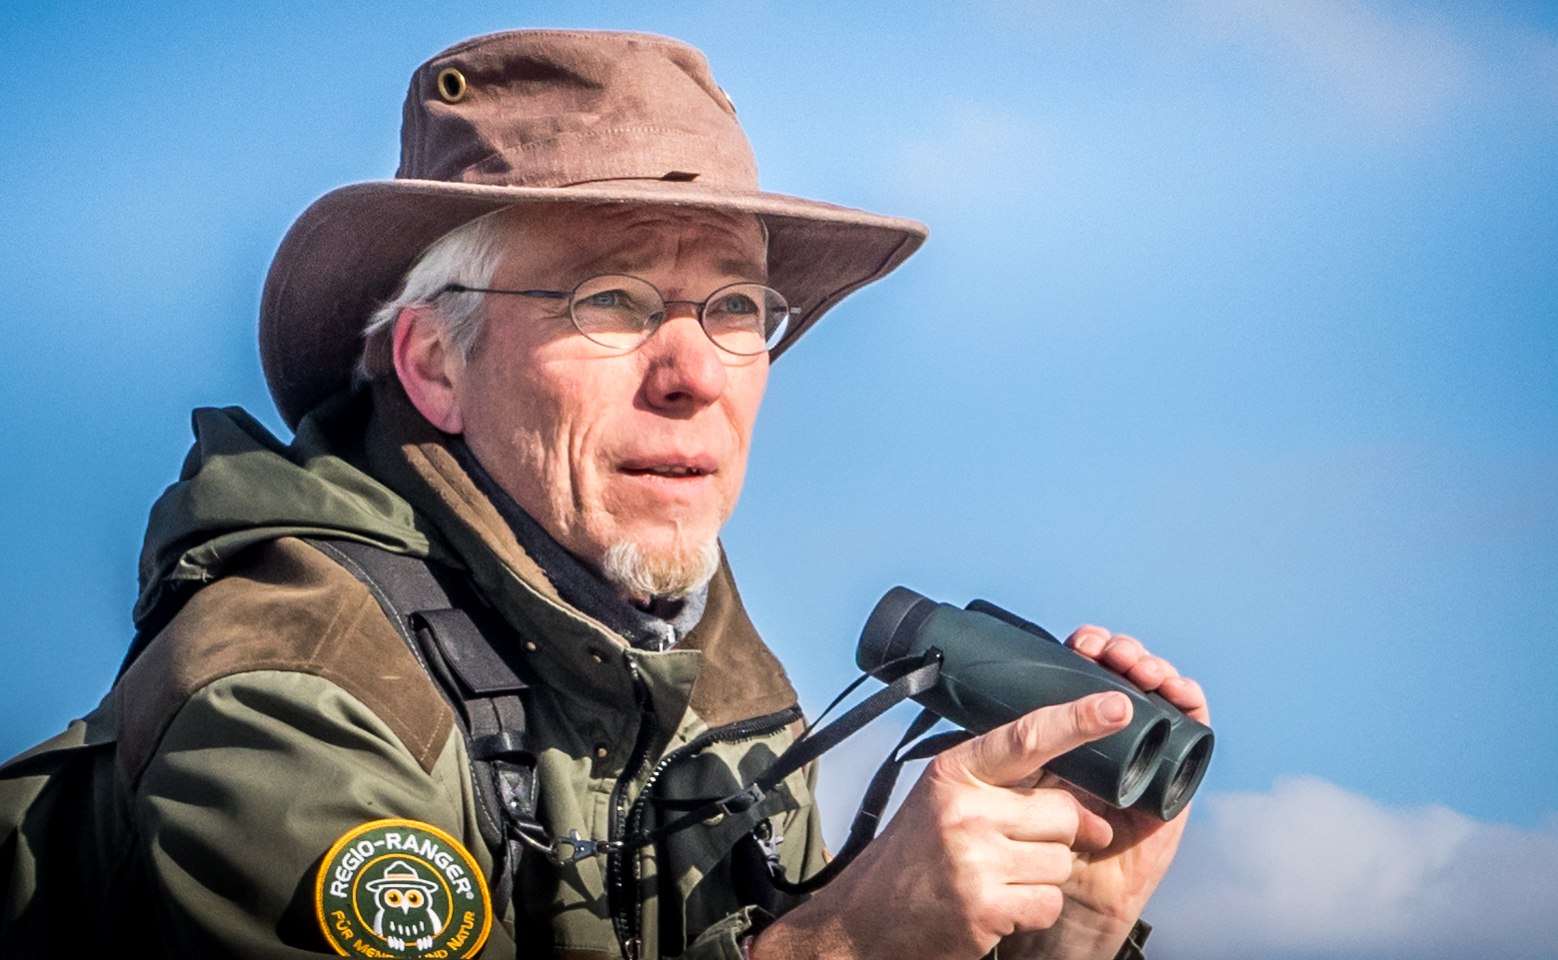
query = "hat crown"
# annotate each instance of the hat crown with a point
(544, 117)
(547, 108)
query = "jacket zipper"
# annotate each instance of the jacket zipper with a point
(631, 921)
(621, 874)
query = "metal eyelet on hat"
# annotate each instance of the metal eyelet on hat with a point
(451, 85)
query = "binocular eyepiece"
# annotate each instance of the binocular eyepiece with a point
(996, 666)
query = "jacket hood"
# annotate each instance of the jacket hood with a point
(240, 486)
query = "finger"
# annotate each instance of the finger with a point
(1030, 863)
(1095, 829)
(1024, 907)
(1094, 832)
(1054, 813)
(1035, 815)
(1088, 640)
(1056, 809)
(1150, 672)
(1188, 696)
(1121, 653)
(1008, 755)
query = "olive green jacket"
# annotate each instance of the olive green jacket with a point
(275, 708)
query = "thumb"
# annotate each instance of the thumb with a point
(1010, 754)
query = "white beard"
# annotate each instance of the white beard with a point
(670, 574)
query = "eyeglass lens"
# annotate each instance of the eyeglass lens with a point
(621, 312)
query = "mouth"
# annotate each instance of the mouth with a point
(671, 468)
(674, 472)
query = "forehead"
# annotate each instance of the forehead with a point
(564, 242)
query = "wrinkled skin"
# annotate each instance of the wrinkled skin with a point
(600, 445)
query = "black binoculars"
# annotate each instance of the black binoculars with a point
(996, 666)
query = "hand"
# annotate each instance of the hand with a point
(979, 850)
(1109, 887)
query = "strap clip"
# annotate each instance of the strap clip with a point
(577, 847)
(740, 802)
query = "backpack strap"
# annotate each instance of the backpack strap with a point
(459, 641)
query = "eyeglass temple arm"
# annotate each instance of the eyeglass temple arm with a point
(543, 294)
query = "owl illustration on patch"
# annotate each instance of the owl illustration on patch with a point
(405, 909)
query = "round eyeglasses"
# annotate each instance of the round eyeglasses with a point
(621, 312)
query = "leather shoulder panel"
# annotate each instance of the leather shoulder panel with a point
(282, 606)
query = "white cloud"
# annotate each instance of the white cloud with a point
(1399, 70)
(1386, 70)
(1311, 871)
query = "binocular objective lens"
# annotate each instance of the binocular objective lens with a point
(1189, 773)
(1144, 760)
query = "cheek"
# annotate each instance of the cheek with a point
(744, 400)
(505, 414)
(518, 424)
(560, 427)
(745, 397)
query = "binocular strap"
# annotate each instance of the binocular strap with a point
(914, 675)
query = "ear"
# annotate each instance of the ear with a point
(429, 368)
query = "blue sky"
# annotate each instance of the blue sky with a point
(1237, 330)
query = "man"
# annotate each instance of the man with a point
(560, 316)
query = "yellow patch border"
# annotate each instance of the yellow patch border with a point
(325, 869)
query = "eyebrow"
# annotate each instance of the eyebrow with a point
(742, 268)
(739, 267)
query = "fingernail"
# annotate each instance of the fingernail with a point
(1114, 708)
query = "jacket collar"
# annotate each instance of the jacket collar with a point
(737, 677)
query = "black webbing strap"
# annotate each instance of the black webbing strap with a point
(494, 721)
(450, 641)
(879, 791)
(456, 639)
(1131, 949)
(914, 675)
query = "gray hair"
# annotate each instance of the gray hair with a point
(673, 574)
(467, 255)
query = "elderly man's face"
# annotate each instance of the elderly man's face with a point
(603, 447)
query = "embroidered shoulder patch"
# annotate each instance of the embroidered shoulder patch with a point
(402, 888)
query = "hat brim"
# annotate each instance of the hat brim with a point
(349, 251)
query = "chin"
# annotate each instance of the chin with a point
(669, 570)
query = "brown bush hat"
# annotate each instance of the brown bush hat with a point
(544, 116)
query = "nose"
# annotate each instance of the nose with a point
(686, 372)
